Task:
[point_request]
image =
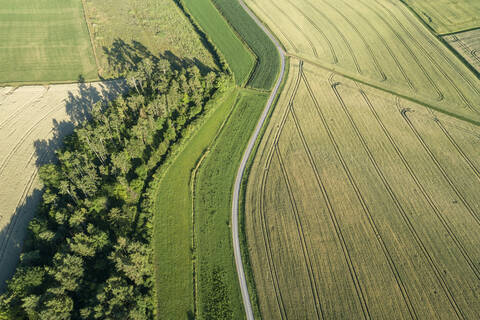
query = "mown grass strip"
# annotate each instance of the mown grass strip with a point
(173, 220)
(267, 66)
(240, 60)
(218, 290)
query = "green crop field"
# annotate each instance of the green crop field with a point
(44, 41)
(447, 16)
(267, 65)
(378, 42)
(467, 44)
(240, 60)
(361, 204)
(156, 27)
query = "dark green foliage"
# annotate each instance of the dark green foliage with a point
(88, 255)
(267, 66)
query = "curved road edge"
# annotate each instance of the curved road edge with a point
(243, 164)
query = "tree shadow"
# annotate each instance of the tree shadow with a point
(78, 107)
(123, 57)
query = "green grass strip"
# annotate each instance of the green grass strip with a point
(238, 57)
(268, 61)
(218, 290)
(172, 239)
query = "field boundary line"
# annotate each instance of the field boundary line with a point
(241, 170)
(429, 57)
(375, 86)
(265, 231)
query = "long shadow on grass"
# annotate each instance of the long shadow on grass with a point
(123, 57)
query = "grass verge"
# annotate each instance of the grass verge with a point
(218, 290)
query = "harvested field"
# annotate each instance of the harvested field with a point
(447, 16)
(361, 204)
(467, 44)
(44, 41)
(378, 42)
(33, 121)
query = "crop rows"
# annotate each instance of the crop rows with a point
(379, 43)
(289, 137)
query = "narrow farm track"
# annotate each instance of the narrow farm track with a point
(243, 164)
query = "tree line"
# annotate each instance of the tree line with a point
(88, 253)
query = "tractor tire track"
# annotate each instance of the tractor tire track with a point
(22, 108)
(301, 234)
(368, 214)
(414, 23)
(310, 43)
(466, 48)
(344, 39)
(398, 205)
(358, 288)
(420, 186)
(403, 112)
(438, 92)
(384, 42)
(25, 136)
(377, 66)
(324, 36)
(264, 225)
(14, 219)
(428, 56)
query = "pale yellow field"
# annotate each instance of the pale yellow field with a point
(380, 42)
(33, 120)
(361, 204)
